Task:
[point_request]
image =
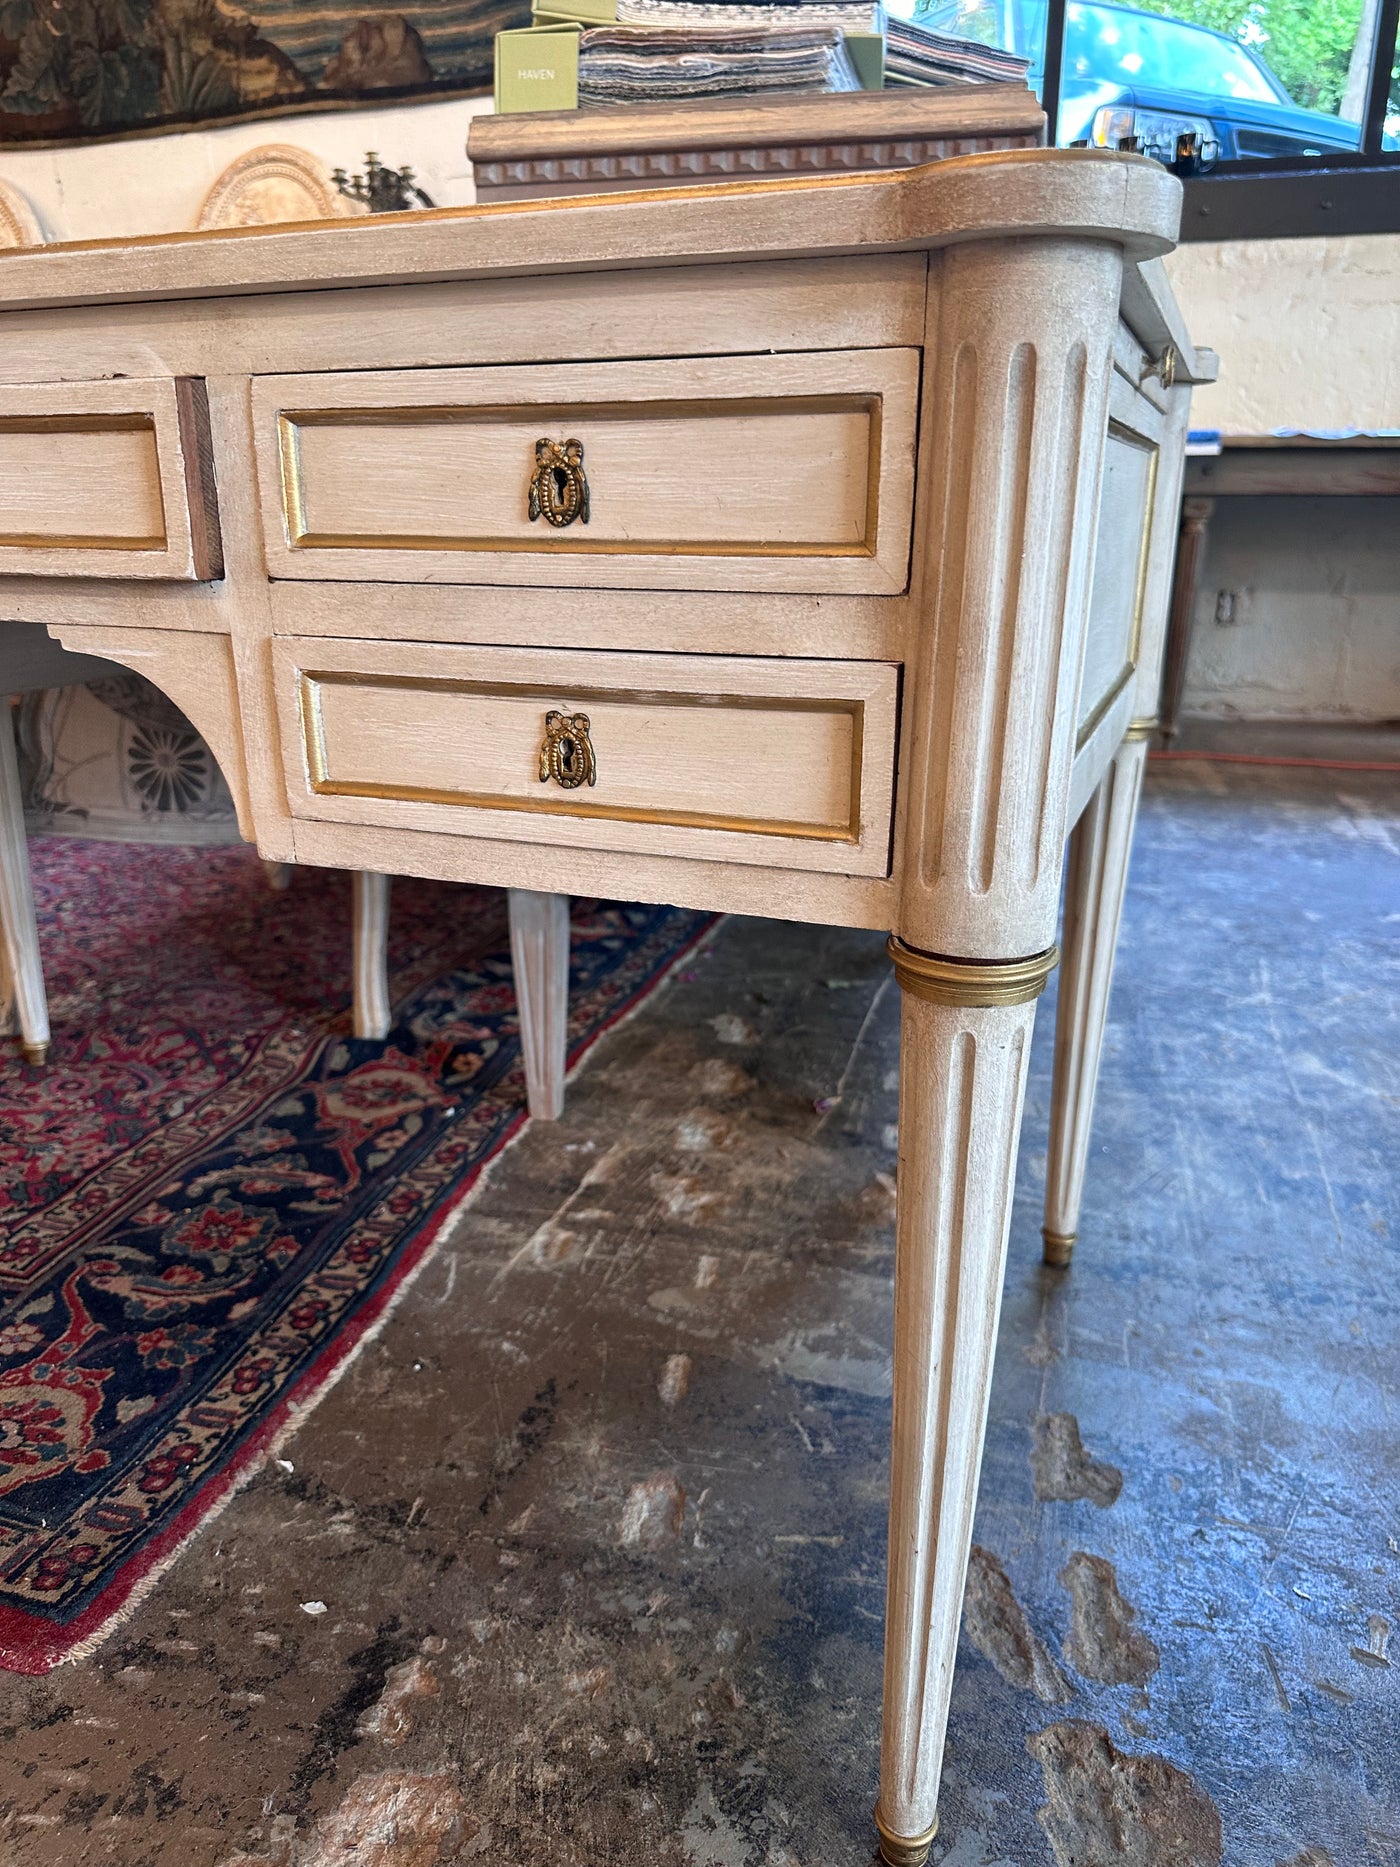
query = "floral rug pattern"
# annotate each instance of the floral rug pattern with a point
(212, 1190)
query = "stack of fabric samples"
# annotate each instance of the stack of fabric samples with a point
(914, 55)
(849, 15)
(635, 64)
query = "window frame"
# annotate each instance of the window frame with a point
(1280, 197)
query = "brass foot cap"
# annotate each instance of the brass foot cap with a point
(35, 1053)
(1059, 1246)
(904, 1850)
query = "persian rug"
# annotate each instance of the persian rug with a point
(114, 67)
(213, 1191)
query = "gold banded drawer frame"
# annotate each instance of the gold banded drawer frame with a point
(1123, 544)
(776, 762)
(783, 473)
(108, 479)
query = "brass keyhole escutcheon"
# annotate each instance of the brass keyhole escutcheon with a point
(558, 488)
(567, 754)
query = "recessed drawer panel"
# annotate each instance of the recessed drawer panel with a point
(789, 472)
(781, 762)
(1120, 570)
(107, 479)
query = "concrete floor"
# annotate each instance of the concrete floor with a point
(598, 1521)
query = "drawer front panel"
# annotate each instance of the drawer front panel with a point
(781, 472)
(1120, 570)
(784, 763)
(107, 479)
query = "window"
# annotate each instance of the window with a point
(1290, 108)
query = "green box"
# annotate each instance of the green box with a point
(537, 67)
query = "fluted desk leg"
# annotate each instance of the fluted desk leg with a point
(373, 1013)
(539, 950)
(1096, 879)
(965, 1039)
(18, 925)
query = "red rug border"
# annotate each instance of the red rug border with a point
(31, 1646)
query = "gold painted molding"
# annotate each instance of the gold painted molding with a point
(1059, 1246)
(944, 981)
(904, 1850)
(1140, 729)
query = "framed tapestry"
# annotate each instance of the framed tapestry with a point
(71, 70)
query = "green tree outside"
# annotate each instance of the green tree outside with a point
(1307, 44)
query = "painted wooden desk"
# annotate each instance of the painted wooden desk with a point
(730, 546)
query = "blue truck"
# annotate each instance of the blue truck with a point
(1127, 73)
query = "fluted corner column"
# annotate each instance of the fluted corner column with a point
(373, 1013)
(965, 1038)
(1020, 341)
(19, 928)
(1096, 880)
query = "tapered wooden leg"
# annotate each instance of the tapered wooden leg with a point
(371, 918)
(962, 1083)
(19, 929)
(279, 875)
(1096, 875)
(539, 950)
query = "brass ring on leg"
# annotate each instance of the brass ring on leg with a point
(35, 1053)
(904, 1850)
(979, 982)
(1059, 1246)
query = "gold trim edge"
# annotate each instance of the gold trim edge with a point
(904, 1850)
(941, 980)
(1141, 729)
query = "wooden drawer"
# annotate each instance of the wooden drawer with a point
(791, 472)
(785, 763)
(107, 479)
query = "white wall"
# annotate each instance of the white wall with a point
(157, 184)
(1309, 337)
(1312, 630)
(1308, 331)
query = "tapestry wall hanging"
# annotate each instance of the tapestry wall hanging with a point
(71, 70)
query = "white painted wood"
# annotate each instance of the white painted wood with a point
(708, 622)
(869, 301)
(788, 763)
(373, 1013)
(1161, 553)
(197, 672)
(1114, 632)
(1129, 202)
(716, 887)
(539, 951)
(102, 479)
(962, 1077)
(780, 473)
(1020, 338)
(22, 990)
(1095, 880)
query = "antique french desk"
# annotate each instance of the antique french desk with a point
(731, 546)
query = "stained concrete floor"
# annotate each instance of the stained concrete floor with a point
(598, 1521)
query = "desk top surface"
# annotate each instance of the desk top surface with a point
(1091, 194)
